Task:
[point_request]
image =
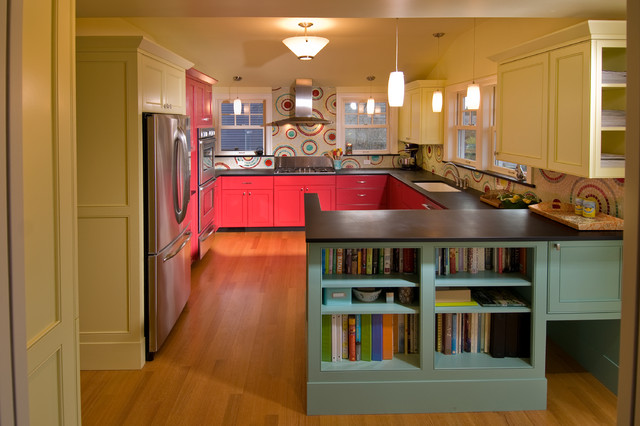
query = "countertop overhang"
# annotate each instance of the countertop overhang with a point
(436, 225)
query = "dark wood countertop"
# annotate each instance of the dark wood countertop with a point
(437, 225)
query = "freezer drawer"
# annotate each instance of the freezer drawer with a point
(205, 240)
(169, 287)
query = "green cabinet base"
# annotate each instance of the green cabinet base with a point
(426, 396)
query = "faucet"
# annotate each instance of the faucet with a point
(457, 179)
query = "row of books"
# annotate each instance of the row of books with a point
(476, 259)
(369, 261)
(368, 337)
(498, 334)
(483, 296)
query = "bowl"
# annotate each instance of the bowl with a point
(367, 294)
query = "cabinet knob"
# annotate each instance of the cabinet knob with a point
(361, 181)
(361, 195)
(556, 246)
(249, 192)
(301, 189)
(244, 193)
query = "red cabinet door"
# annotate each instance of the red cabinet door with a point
(395, 194)
(234, 208)
(287, 205)
(326, 195)
(260, 207)
(217, 204)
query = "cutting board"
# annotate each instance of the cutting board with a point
(565, 215)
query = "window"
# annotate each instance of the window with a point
(471, 134)
(245, 133)
(367, 133)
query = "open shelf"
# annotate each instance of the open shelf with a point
(477, 360)
(399, 362)
(380, 280)
(483, 279)
(481, 309)
(378, 307)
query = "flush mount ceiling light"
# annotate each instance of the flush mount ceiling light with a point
(305, 47)
(237, 103)
(473, 90)
(371, 103)
(436, 100)
(395, 90)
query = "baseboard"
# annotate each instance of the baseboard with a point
(112, 356)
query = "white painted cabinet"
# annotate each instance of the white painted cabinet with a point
(417, 122)
(561, 108)
(162, 86)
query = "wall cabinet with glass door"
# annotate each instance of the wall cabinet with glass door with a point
(561, 101)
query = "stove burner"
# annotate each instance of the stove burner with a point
(304, 170)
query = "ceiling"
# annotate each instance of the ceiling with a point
(244, 37)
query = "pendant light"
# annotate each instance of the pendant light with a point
(396, 81)
(371, 103)
(436, 100)
(473, 90)
(305, 47)
(237, 103)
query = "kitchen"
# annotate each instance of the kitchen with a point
(465, 77)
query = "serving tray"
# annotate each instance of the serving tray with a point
(565, 215)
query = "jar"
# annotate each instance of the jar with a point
(589, 207)
(577, 206)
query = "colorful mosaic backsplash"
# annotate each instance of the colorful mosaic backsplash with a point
(303, 140)
(548, 185)
(300, 140)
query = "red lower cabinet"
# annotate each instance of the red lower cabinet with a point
(288, 194)
(361, 192)
(402, 196)
(246, 202)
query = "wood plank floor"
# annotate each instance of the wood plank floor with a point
(237, 356)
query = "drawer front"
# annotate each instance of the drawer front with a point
(357, 207)
(362, 181)
(303, 180)
(585, 277)
(247, 182)
(360, 196)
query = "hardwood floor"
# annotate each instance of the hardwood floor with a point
(237, 356)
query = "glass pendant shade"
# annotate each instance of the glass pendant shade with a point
(396, 89)
(473, 96)
(436, 101)
(237, 106)
(304, 47)
(371, 106)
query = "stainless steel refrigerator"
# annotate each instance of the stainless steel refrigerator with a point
(167, 230)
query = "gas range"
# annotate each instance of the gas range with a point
(304, 170)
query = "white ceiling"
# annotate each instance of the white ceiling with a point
(244, 37)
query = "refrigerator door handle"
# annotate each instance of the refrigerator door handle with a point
(187, 238)
(180, 147)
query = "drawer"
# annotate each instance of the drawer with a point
(304, 180)
(358, 207)
(248, 182)
(584, 277)
(362, 181)
(360, 196)
(336, 296)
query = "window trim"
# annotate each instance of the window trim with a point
(222, 95)
(486, 128)
(361, 95)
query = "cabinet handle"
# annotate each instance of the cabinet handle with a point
(301, 189)
(306, 189)
(246, 183)
(556, 246)
(361, 181)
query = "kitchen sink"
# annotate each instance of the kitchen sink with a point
(437, 187)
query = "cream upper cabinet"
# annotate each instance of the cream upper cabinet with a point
(417, 122)
(162, 86)
(561, 108)
(522, 125)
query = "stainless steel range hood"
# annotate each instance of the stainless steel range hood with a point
(303, 106)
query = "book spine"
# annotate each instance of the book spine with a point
(339, 261)
(376, 337)
(439, 336)
(369, 261)
(387, 260)
(352, 337)
(381, 261)
(387, 336)
(401, 331)
(326, 338)
(359, 264)
(347, 262)
(358, 337)
(345, 336)
(374, 261)
(497, 335)
(365, 339)
(363, 267)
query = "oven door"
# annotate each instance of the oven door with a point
(205, 205)
(206, 160)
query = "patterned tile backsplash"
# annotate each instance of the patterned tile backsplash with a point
(317, 140)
